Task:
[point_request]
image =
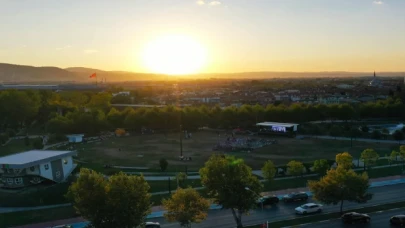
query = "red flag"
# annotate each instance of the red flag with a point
(93, 75)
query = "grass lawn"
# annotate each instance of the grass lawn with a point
(146, 150)
(37, 216)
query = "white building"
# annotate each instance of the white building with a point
(33, 167)
(75, 138)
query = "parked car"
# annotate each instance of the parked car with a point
(308, 208)
(354, 217)
(267, 200)
(300, 196)
(398, 220)
(152, 225)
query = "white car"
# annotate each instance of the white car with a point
(308, 208)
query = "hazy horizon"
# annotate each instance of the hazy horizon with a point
(206, 37)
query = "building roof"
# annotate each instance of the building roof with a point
(269, 124)
(33, 157)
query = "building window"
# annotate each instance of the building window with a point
(32, 168)
(46, 166)
(57, 174)
(18, 180)
(10, 181)
(65, 161)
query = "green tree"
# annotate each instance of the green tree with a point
(163, 164)
(344, 160)
(181, 179)
(269, 170)
(231, 183)
(369, 157)
(340, 185)
(120, 201)
(402, 154)
(398, 135)
(295, 168)
(393, 156)
(321, 166)
(186, 206)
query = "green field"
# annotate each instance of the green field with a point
(146, 150)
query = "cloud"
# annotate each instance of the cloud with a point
(211, 3)
(63, 48)
(215, 3)
(378, 2)
(90, 51)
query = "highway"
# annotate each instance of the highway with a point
(282, 211)
(378, 220)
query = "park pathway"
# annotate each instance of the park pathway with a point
(354, 139)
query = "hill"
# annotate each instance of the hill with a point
(10, 73)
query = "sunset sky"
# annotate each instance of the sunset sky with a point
(229, 35)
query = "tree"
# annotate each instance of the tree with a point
(163, 164)
(402, 154)
(365, 129)
(398, 135)
(394, 156)
(321, 166)
(120, 201)
(186, 206)
(344, 160)
(231, 183)
(269, 170)
(38, 143)
(369, 157)
(181, 179)
(339, 185)
(376, 134)
(295, 168)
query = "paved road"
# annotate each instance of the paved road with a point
(378, 220)
(223, 218)
(354, 139)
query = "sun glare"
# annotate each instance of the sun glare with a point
(174, 55)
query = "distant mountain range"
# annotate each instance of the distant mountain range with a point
(10, 73)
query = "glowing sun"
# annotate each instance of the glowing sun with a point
(175, 55)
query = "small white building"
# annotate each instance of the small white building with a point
(35, 166)
(75, 138)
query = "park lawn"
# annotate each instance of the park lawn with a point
(160, 186)
(14, 146)
(36, 216)
(146, 151)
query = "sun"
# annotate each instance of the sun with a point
(174, 55)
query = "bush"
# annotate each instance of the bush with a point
(163, 164)
(37, 144)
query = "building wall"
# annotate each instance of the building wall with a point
(57, 170)
(67, 165)
(46, 173)
(33, 170)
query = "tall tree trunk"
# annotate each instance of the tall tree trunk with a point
(237, 217)
(341, 206)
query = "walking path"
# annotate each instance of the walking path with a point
(354, 139)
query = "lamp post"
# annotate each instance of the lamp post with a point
(181, 141)
(261, 201)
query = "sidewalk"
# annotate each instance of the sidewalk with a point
(354, 139)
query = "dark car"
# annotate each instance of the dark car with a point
(398, 220)
(354, 217)
(267, 200)
(300, 196)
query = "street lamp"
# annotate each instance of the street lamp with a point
(261, 201)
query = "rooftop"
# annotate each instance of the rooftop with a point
(268, 124)
(33, 157)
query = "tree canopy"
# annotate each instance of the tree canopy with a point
(269, 170)
(295, 168)
(369, 157)
(231, 183)
(321, 166)
(344, 160)
(120, 201)
(186, 206)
